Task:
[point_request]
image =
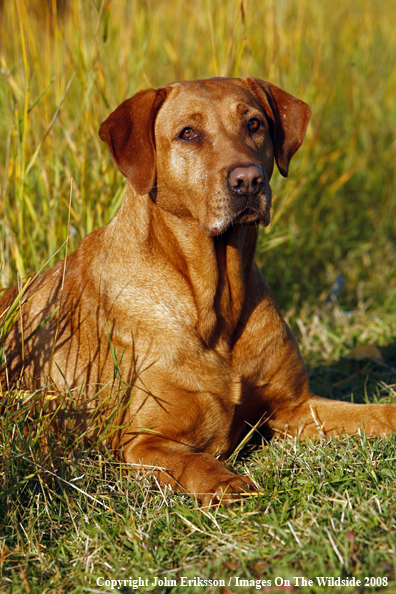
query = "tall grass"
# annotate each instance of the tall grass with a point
(68, 515)
(62, 76)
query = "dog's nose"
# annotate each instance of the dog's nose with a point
(246, 179)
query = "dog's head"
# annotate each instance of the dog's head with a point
(205, 149)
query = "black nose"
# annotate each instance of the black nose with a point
(246, 179)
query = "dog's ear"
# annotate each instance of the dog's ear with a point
(287, 116)
(129, 134)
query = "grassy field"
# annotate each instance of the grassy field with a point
(69, 516)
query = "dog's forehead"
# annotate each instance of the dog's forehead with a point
(206, 97)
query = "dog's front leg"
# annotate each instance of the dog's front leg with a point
(198, 473)
(276, 387)
(321, 416)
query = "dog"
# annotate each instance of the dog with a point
(169, 295)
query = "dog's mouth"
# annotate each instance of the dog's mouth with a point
(256, 210)
(247, 216)
(259, 214)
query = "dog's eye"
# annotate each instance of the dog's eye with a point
(188, 134)
(253, 125)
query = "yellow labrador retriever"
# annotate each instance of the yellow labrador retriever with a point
(170, 289)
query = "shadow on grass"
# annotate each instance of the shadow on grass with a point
(356, 381)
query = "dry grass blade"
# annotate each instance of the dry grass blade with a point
(325, 508)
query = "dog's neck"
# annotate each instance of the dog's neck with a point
(216, 268)
(234, 256)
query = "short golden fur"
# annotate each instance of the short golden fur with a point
(173, 277)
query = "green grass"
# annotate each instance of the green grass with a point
(324, 508)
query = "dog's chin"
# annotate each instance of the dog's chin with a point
(248, 217)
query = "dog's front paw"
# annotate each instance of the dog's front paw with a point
(227, 492)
